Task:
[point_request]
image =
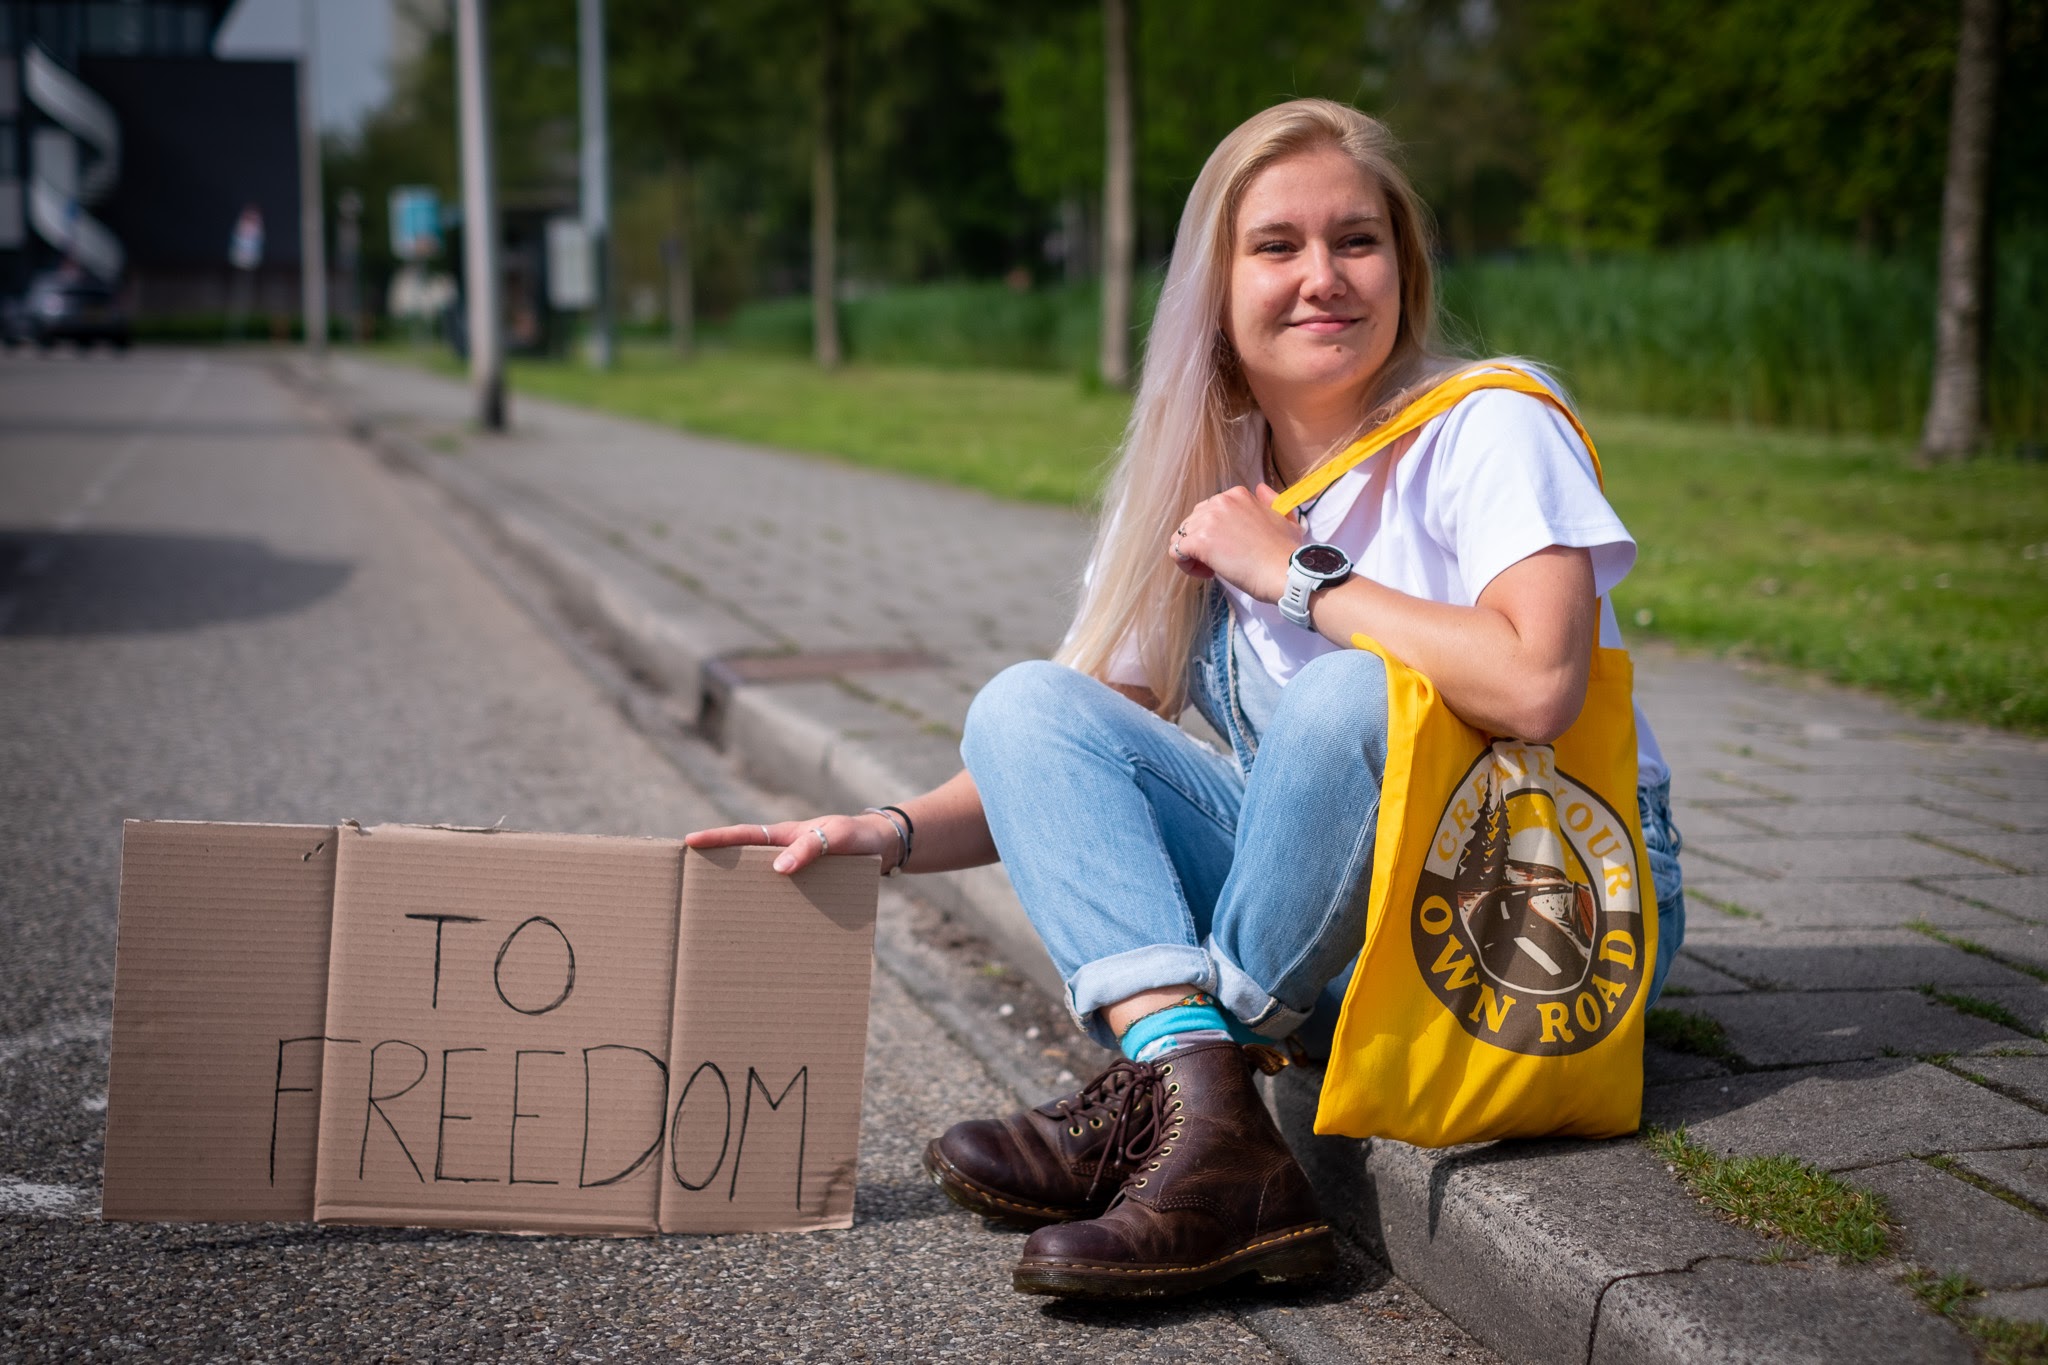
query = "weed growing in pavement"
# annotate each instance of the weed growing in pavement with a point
(1683, 1031)
(1780, 1196)
(1975, 949)
(1989, 1010)
(2002, 1341)
(1950, 1166)
(1729, 908)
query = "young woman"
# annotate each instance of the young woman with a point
(1198, 901)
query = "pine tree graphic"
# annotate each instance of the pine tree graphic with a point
(1484, 862)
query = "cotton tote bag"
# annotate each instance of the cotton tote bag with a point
(1512, 927)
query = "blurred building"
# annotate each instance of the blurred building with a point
(130, 152)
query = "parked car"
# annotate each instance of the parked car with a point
(65, 306)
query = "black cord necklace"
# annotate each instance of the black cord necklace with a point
(1270, 467)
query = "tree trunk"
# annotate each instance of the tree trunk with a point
(825, 195)
(1119, 197)
(1955, 408)
(682, 285)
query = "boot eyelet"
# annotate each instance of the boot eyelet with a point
(1141, 1181)
(1174, 1088)
(1074, 1131)
(1166, 1070)
(1166, 1151)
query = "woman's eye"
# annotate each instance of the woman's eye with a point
(1273, 248)
(1361, 241)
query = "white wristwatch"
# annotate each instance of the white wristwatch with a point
(1312, 567)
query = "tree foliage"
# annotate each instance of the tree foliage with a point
(973, 130)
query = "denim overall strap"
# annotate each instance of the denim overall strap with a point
(1212, 680)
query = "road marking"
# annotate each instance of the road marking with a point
(29, 1199)
(61, 1033)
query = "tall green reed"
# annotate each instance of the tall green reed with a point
(1786, 332)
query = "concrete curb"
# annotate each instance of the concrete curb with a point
(1550, 1252)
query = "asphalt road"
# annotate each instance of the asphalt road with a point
(213, 607)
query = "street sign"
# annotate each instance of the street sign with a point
(415, 223)
(570, 286)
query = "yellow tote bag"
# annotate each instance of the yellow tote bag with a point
(1513, 926)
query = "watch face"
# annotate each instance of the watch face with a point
(1321, 559)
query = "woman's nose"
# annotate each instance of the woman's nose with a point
(1320, 276)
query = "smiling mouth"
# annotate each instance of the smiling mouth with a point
(1326, 324)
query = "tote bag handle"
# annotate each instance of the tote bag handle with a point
(1427, 408)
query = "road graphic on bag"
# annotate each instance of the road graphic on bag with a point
(1527, 923)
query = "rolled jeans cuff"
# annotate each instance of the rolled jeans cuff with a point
(1110, 979)
(1252, 1004)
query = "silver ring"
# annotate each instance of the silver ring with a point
(823, 842)
(766, 837)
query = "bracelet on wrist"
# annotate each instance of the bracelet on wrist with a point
(902, 835)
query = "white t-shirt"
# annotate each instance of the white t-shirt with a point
(1497, 478)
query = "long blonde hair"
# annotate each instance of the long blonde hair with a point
(1194, 429)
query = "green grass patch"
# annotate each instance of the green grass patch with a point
(1832, 554)
(1698, 1035)
(1975, 949)
(2001, 1341)
(1989, 1010)
(1726, 907)
(1780, 1196)
(1013, 433)
(1825, 553)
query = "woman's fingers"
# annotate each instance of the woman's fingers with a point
(729, 836)
(803, 842)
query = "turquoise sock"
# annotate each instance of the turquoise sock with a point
(1175, 1026)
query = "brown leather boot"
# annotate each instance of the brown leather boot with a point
(1059, 1161)
(1214, 1194)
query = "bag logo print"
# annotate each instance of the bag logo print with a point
(1527, 922)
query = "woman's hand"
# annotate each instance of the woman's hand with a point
(1238, 537)
(803, 842)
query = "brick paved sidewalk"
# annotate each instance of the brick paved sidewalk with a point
(1869, 891)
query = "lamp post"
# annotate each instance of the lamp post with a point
(597, 180)
(479, 214)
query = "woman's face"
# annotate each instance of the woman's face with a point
(1315, 290)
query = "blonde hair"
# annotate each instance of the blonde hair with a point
(1194, 429)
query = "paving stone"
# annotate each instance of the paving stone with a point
(1844, 1116)
(1789, 1028)
(1799, 1312)
(1662, 1066)
(1840, 787)
(1789, 904)
(1838, 857)
(1950, 1226)
(2022, 1170)
(2026, 943)
(1851, 959)
(2027, 852)
(2025, 1076)
(1859, 819)
(1690, 976)
(2029, 1003)
(1697, 821)
(2023, 896)
(2025, 817)
(2014, 1305)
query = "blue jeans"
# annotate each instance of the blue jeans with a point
(1147, 859)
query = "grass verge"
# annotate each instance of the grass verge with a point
(1780, 1196)
(1825, 553)
(2000, 1341)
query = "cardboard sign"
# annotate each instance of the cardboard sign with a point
(521, 1032)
